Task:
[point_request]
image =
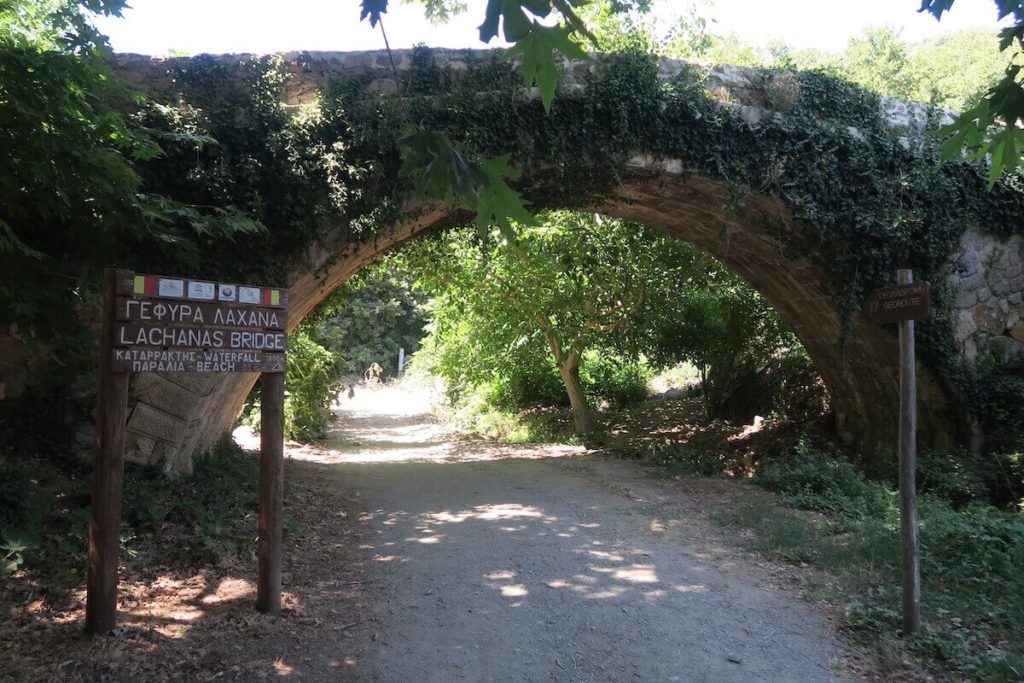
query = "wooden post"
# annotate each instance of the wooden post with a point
(108, 475)
(908, 472)
(268, 580)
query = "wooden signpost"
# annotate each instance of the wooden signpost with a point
(165, 324)
(906, 302)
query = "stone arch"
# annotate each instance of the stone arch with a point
(861, 375)
(173, 417)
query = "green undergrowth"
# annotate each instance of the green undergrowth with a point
(202, 519)
(972, 562)
(476, 413)
(182, 523)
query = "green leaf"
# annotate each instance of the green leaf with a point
(936, 7)
(497, 203)
(537, 50)
(373, 9)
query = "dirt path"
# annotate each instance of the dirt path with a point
(413, 556)
(499, 563)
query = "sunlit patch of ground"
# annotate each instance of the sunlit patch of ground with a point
(392, 424)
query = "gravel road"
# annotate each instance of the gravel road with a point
(536, 563)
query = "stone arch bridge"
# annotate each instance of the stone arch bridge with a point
(174, 416)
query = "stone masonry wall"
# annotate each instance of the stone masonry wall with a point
(987, 274)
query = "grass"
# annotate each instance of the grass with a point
(972, 567)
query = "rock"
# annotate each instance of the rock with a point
(966, 298)
(974, 281)
(970, 351)
(965, 326)
(986, 319)
(968, 263)
(1017, 332)
(1002, 288)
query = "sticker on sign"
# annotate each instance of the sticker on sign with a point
(204, 291)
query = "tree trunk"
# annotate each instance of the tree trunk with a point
(569, 368)
(582, 417)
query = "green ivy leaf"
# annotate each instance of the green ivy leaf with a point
(1002, 106)
(439, 170)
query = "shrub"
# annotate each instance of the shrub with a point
(952, 477)
(608, 376)
(815, 480)
(311, 386)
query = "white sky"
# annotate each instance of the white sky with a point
(261, 26)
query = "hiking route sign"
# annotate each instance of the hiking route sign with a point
(153, 323)
(168, 324)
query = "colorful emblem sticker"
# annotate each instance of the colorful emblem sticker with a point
(168, 287)
(144, 285)
(271, 297)
(227, 292)
(249, 295)
(204, 291)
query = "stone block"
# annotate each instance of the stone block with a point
(1012, 318)
(140, 450)
(1002, 288)
(198, 383)
(146, 420)
(966, 298)
(160, 392)
(987, 319)
(968, 264)
(965, 325)
(975, 281)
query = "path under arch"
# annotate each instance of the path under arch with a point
(526, 563)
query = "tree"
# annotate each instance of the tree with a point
(369, 318)
(565, 285)
(72, 200)
(879, 61)
(993, 126)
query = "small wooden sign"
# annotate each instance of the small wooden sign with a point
(154, 323)
(903, 302)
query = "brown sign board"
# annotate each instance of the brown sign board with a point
(169, 324)
(903, 302)
(163, 324)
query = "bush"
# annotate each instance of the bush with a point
(952, 477)
(610, 377)
(311, 386)
(534, 382)
(815, 480)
